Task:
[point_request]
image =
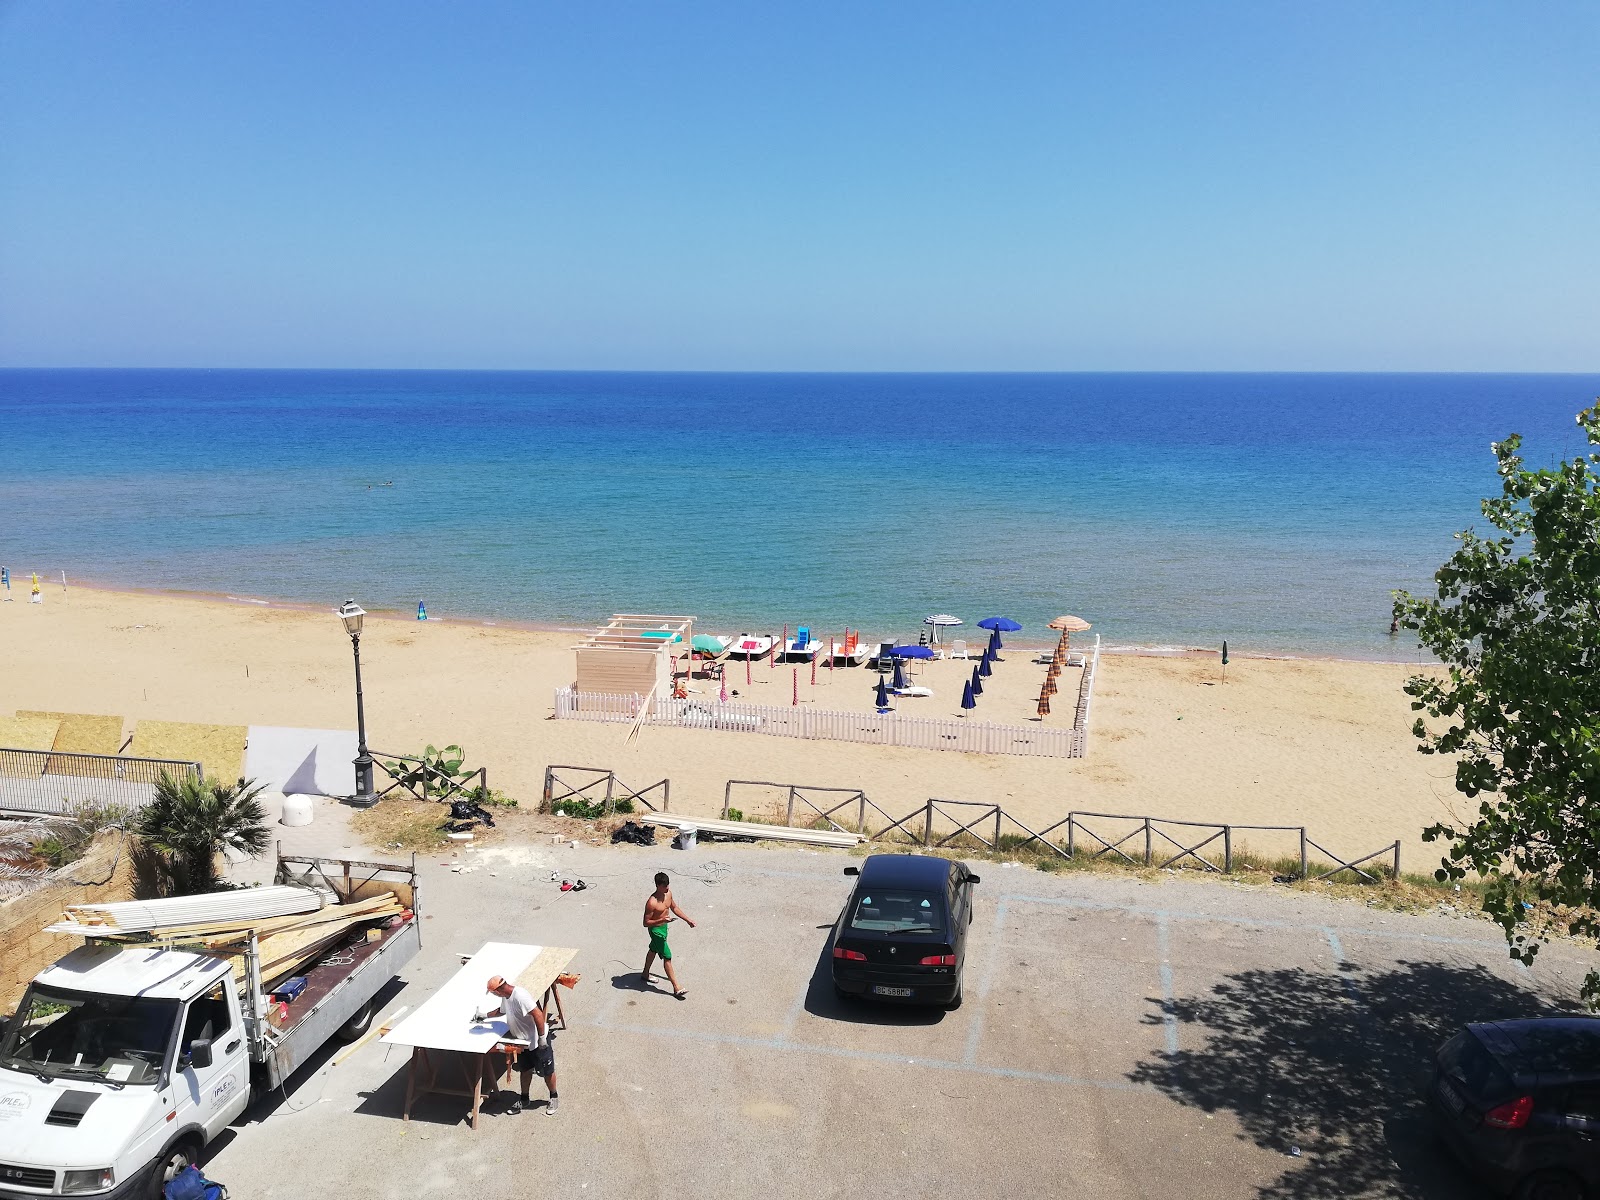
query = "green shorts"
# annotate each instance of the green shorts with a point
(658, 942)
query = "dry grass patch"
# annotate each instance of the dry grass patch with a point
(394, 824)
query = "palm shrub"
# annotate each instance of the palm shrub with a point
(190, 821)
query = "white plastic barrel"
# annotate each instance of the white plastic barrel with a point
(296, 810)
(687, 836)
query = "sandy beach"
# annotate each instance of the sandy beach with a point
(1322, 743)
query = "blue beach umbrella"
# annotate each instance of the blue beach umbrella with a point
(977, 682)
(912, 652)
(882, 693)
(983, 667)
(966, 697)
(899, 673)
(994, 625)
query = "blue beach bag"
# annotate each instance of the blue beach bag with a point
(189, 1184)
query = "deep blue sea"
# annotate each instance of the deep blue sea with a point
(1276, 511)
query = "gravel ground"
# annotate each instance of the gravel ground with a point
(1120, 1038)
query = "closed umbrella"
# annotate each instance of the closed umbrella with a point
(899, 673)
(967, 701)
(882, 693)
(977, 682)
(984, 668)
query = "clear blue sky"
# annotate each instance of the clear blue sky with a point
(830, 185)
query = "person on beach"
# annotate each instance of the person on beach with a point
(659, 910)
(525, 1021)
(38, 595)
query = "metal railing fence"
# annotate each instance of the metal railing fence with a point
(45, 782)
(803, 721)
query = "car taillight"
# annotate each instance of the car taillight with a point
(939, 960)
(1513, 1114)
(853, 955)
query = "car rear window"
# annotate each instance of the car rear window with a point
(895, 910)
(1558, 1046)
(1464, 1058)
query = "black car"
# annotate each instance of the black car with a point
(1519, 1102)
(903, 934)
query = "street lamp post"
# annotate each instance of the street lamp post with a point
(351, 613)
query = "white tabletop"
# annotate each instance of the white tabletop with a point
(444, 1019)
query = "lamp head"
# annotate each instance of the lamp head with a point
(351, 613)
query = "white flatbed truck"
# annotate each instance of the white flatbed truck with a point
(122, 1061)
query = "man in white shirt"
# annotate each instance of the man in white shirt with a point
(525, 1021)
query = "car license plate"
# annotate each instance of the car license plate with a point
(879, 990)
(1452, 1099)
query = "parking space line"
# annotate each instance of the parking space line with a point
(783, 1045)
(975, 1029)
(1169, 1018)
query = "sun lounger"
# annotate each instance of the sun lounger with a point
(958, 649)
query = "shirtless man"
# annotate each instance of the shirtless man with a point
(659, 909)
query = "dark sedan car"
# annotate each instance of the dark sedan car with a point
(903, 934)
(1519, 1102)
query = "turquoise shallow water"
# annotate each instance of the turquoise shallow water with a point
(1276, 511)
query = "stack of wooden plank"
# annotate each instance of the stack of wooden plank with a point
(302, 929)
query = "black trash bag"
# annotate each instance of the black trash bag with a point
(636, 834)
(466, 810)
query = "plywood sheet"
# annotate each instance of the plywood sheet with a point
(444, 1020)
(83, 733)
(542, 971)
(29, 732)
(219, 749)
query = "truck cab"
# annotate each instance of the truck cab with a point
(118, 1066)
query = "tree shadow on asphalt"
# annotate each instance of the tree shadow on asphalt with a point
(822, 1001)
(1335, 1064)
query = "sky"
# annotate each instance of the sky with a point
(851, 185)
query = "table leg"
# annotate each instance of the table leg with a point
(555, 993)
(411, 1078)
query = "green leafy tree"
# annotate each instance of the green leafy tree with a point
(190, 821)
(1516, 627)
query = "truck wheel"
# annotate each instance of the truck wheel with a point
(178, 1158)
(358, 1024)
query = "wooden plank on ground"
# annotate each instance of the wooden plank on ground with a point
(219, 749)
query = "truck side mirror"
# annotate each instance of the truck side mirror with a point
(199, 1056)
(852, 870)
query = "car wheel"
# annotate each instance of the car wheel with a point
(359, 1023)
(1550, 1185)
(178, 1158)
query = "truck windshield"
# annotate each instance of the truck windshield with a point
(75, 1035)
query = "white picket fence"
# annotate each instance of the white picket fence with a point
(803, 721)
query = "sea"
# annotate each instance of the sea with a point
(1275, 511)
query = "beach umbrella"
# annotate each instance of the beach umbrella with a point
(1068, 625)
(723, 694)
(704, 643)
(796, 700)
(912, 652)
(984, 668)
(977, 682)
(747, 670)
(899, 673)
(967, 701)
(1044, 706)
(998, 623)
(1224, 662)
(882, 693)
(940, 621)
(994, 625)
(995, 645)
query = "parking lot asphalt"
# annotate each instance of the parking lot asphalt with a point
(1120, 1038)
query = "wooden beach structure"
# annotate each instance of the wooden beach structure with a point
(632, 654)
